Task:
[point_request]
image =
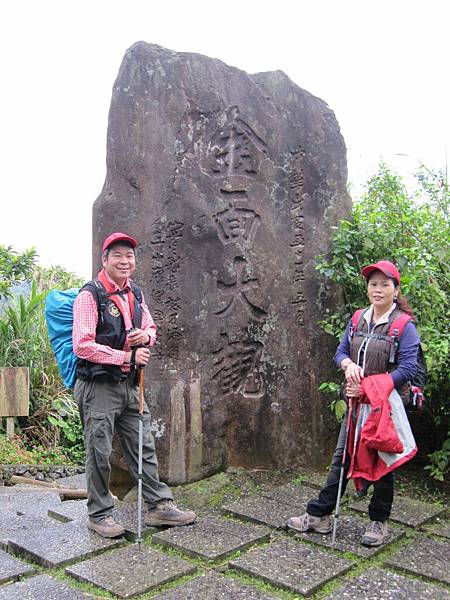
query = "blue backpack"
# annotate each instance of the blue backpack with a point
(59, 317)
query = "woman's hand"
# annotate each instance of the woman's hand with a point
(353, 373)
(352, 390)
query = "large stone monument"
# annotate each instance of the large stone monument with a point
(231, 183)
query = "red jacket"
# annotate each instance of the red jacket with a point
(381, 439)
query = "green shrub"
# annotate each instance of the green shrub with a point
(20, 450)
(412, 230)
(24, 342)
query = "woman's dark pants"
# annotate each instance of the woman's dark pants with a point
(383, 489)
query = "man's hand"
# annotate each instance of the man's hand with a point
(138, 337)
(142, 357)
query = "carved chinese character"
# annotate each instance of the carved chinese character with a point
(238, 367)
(237, 224)
(238, 149)
(238, 290)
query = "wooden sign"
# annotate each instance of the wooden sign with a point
(14, 392)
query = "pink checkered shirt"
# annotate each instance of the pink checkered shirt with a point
(85, 317)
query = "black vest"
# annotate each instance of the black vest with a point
(110, 329)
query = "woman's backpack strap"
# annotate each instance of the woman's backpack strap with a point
(356, 319)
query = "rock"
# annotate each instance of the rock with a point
(231, 183)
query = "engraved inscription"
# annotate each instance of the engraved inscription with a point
(165, 295)
(236, 224)
(237, 365)
(297, 244)
(237, 291)
(238, 150)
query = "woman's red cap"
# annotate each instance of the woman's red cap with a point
(386, 267)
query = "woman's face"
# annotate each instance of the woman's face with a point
(381, 291)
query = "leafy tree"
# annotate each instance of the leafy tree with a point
(14, 267)
(412, 230)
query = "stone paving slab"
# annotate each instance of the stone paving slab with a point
(125, 514)
(296, 567)
(12, 568)
(61, 544)
(69, 510)
(441, 528)
(212, 538)
(131, 571)
(213, 586)
(270, 510)
(376, 584)
(32, 503)
(41, 587)
(406, 511)
(348, 536)
(293, 494)
(74, 481)
(313, 479)
(12, 524)
(424, 556)
(21, 488)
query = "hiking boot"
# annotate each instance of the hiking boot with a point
(310, 523)
(166, 512)
(376, 534)
(107, 527)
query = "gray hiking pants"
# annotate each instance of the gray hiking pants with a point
(105, 406)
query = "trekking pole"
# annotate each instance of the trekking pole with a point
(341, 474)
(141, 442)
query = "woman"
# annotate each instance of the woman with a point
(367, 350)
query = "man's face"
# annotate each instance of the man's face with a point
(120, 263)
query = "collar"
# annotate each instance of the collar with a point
(383, 319)
(113, 284)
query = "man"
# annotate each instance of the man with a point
(112, 333)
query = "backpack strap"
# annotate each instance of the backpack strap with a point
(395, 332)
(95, 287)
(137, 292)
(101, 296)
(356, 318)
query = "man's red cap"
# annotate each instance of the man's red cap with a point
(386, 267)
(117, 236)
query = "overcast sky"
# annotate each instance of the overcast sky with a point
(382, 66)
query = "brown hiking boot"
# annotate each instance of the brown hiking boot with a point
(167, 513)
(376, 534)
(107, 527)
(310, 523)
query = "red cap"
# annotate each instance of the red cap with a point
(386, 267)
(117, 236)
